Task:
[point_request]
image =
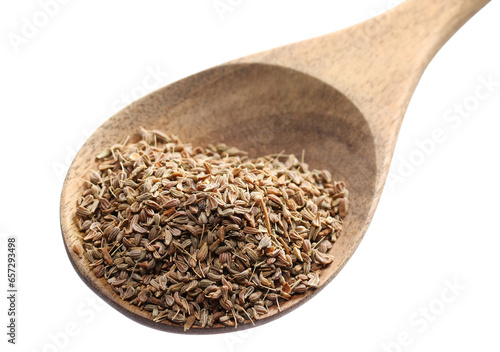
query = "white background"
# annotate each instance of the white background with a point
(438, 226)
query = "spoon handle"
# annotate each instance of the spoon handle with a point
(378, 63)
(388, 58)
(390, 52)
(405, 39)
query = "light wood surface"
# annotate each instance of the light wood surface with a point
(341, 98)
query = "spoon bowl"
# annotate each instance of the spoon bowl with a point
(334, 106)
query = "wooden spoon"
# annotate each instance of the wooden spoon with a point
(340, 98)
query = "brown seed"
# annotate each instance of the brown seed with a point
(78, 248)
(255, 296)
(203, 253)
(313, 280)
(189, 322)
(169, 300)
(99, 271)
(306, 246)
(83, 212)
(242, 275)
(265, 242)
(129, 293)
(138, 228)
(323, 258)
(201, 236)
(105, 255)
(226, 304)
(343, 206)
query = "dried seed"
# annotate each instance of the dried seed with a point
(105, 255)
(201, 236)
(343, 205)
(189, 322)
(265, 242)
(78, 248)
(203, 253)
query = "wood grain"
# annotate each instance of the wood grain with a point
(340, 98)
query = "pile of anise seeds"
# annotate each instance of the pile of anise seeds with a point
(201, 237)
